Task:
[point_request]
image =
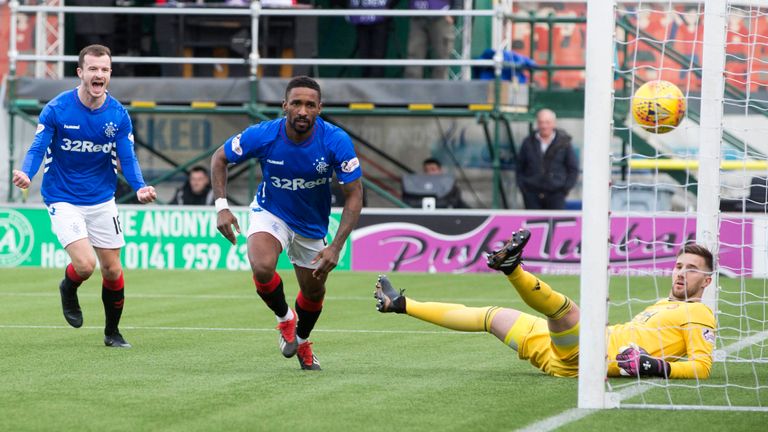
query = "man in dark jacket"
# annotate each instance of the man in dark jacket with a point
(196, 190)
(547, 167)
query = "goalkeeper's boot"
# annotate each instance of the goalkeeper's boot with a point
(70, 305)
(388, 299)
(116, 340)
(511, 255)
(287, 339)
(307, 359)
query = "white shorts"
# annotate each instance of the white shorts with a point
(98, 223)
(301, 250)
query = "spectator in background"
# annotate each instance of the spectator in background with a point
(372, 34)
(196, 190)
(432, 166)
(430, 32)
(547, 167)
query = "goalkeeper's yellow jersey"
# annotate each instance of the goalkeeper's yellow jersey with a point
(672, 330)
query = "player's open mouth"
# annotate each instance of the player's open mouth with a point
(97, 85)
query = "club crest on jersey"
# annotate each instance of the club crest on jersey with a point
(709, 335)
(110, 130)
(40, 128)
(350, 165)
(320, 166)
(236, 145)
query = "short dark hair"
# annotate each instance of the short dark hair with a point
(303, 82)
(697, 249)
(198, 168)
(94, 50)
(432, 160)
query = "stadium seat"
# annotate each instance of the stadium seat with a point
(757, 200)
(416, 187)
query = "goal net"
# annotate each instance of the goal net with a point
(704, 181)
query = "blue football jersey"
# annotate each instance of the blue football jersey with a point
(297, 176)
(81, 147)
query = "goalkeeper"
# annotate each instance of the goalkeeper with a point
(672, 338)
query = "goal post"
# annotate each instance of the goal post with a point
(598, 114)
(710, 136)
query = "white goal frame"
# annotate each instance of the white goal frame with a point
(598, 114)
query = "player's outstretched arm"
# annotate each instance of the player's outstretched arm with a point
(328, 258)
(224, 219)
(21, 180)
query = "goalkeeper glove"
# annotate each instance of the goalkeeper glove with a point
(634, 361)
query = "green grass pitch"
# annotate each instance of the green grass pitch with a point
(205, 357)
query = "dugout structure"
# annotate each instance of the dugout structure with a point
(258, 98)
(554, 82)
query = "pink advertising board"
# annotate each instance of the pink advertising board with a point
(458, 242)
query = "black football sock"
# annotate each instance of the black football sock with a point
(113, 297)
(273, 295)
(72, 280)
(308, 311)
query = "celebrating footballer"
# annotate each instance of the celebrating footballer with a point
(81, 135)
(298, 154)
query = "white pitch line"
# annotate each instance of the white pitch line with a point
(474, 300)
(561, 419)
(575, 414)
(750, 340)
(134, 295)
(237, 329)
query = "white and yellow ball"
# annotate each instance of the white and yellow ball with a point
(658, 106)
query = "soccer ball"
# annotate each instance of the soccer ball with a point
(658, 106)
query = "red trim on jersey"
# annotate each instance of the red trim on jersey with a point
(266, 288)
(307, 304)
(72, 274)
(114, 285)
